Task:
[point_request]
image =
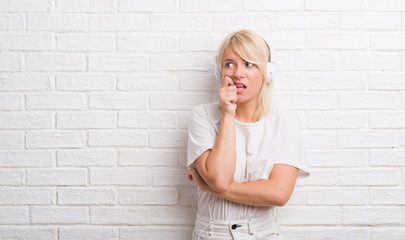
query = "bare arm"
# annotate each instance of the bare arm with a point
(274, 191)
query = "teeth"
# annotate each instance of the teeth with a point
(239, 86)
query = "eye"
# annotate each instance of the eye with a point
(228, 64)
(248, 64)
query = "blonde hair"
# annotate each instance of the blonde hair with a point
(252, 48)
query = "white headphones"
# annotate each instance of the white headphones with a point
(271, 68)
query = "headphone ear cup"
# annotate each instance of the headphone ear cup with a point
(271, 68)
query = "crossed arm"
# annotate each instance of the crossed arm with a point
(275, 191)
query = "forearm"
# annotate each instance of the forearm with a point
(219, 167)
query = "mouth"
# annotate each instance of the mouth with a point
(240, 86)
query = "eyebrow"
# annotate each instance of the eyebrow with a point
(228, 60)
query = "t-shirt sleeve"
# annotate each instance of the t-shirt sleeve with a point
(291, 149)
(200, 134)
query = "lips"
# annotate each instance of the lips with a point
(240, 85)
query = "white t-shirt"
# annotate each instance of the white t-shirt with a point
(274, 139)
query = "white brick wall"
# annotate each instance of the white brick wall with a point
(95, 96)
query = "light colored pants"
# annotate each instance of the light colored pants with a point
(262, 228)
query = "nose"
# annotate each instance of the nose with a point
(239, 72)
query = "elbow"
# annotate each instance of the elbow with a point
(220, 186)
(281, 200)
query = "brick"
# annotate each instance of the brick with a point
(55, 139)
(337, 196)
(11, 22)
(298, 197)
(118, 138)
(370, 21)
(337, 119)
(387, 157)
(26, 120)
(369, 177)
(26, 195)
(10, 62)
(288, 40)
(336, 81)
(120, 215)
(11, 102)
(146, 43)
(28, 232)
(26, 158)
(117, 63)
(120, 176)
(387, 196)
(25, 81)
(262, 5)
(148, 157)
(307, 21)
(306, 62)
(340, 233)
(387, 81)
(199, 43)
(85, 42)
(387, 119)
(184, 118)
(115, 101)
(118, 22)
(210, 6)
(184, 22)
(25, 5)
(56, 22)
(292, 233)
(172, 215)
(309, 215)
(368, 61)
(176, 101)
(85, 82)
(11, 178)
(149, 6)
(27, 42)
(148, 196)
(230, 22)
(56, 62)
(172, 139)
(188, 196)
(371, 215)
(86, 196)
(391, 233)
(169, 176)
(342, 41)
(379, 100)
(11, 140)
(368, 138)
(321, 101)
(88, 6)
(128, 81)
(13, 215)
(289, 81)
(86, 158)
(181, 62)
(390, 5)
(88, 232)
(86, 120)
(56, 101)
(199, 82)
(147, 120)
(320, 139)
(60, 177)
(156, 232)
(324, 177)
(387, 41)
(59, 215)
(337, 158)
(336, 5)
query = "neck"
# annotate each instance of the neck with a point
(246, 112)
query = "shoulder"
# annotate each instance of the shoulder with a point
(209, 111)
(281, 116)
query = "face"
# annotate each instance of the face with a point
(246, 76)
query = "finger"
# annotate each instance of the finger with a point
(227, 81)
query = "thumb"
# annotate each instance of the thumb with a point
(228, 81)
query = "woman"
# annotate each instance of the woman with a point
(245, 154)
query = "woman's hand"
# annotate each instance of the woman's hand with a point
(228, 97)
